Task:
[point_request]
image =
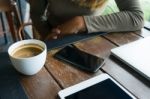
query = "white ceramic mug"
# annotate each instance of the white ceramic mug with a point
(30, 65)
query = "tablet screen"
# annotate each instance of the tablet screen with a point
(106, 89)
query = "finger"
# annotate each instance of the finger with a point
(51, 36)
(56, 30)
(55, 37)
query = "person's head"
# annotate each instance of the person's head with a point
(90, 4)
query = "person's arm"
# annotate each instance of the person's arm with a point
(130, 18)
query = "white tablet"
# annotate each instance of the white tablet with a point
(99, 87)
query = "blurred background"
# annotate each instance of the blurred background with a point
(22, 8)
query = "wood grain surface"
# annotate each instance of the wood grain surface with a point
(57, 75)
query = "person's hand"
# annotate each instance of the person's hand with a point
(72, 26)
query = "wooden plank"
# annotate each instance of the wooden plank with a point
(130, 79)
(40, 86)
(67, 75)
(97, 46)
(122, 38)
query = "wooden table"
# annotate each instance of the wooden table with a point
(57, 75)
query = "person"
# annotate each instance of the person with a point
(58, 18)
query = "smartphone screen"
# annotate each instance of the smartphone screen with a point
(80, 59)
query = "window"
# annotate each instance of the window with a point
(146, 8)
(145, 4)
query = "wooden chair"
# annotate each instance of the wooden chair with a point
(23, 26)
(35, 33)
(10, 9)
(3, 27)
(21, 30)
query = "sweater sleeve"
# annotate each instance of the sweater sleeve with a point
(129, 18)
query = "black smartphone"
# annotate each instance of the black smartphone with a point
(79, 59)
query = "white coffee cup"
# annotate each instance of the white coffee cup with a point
(28, 65)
